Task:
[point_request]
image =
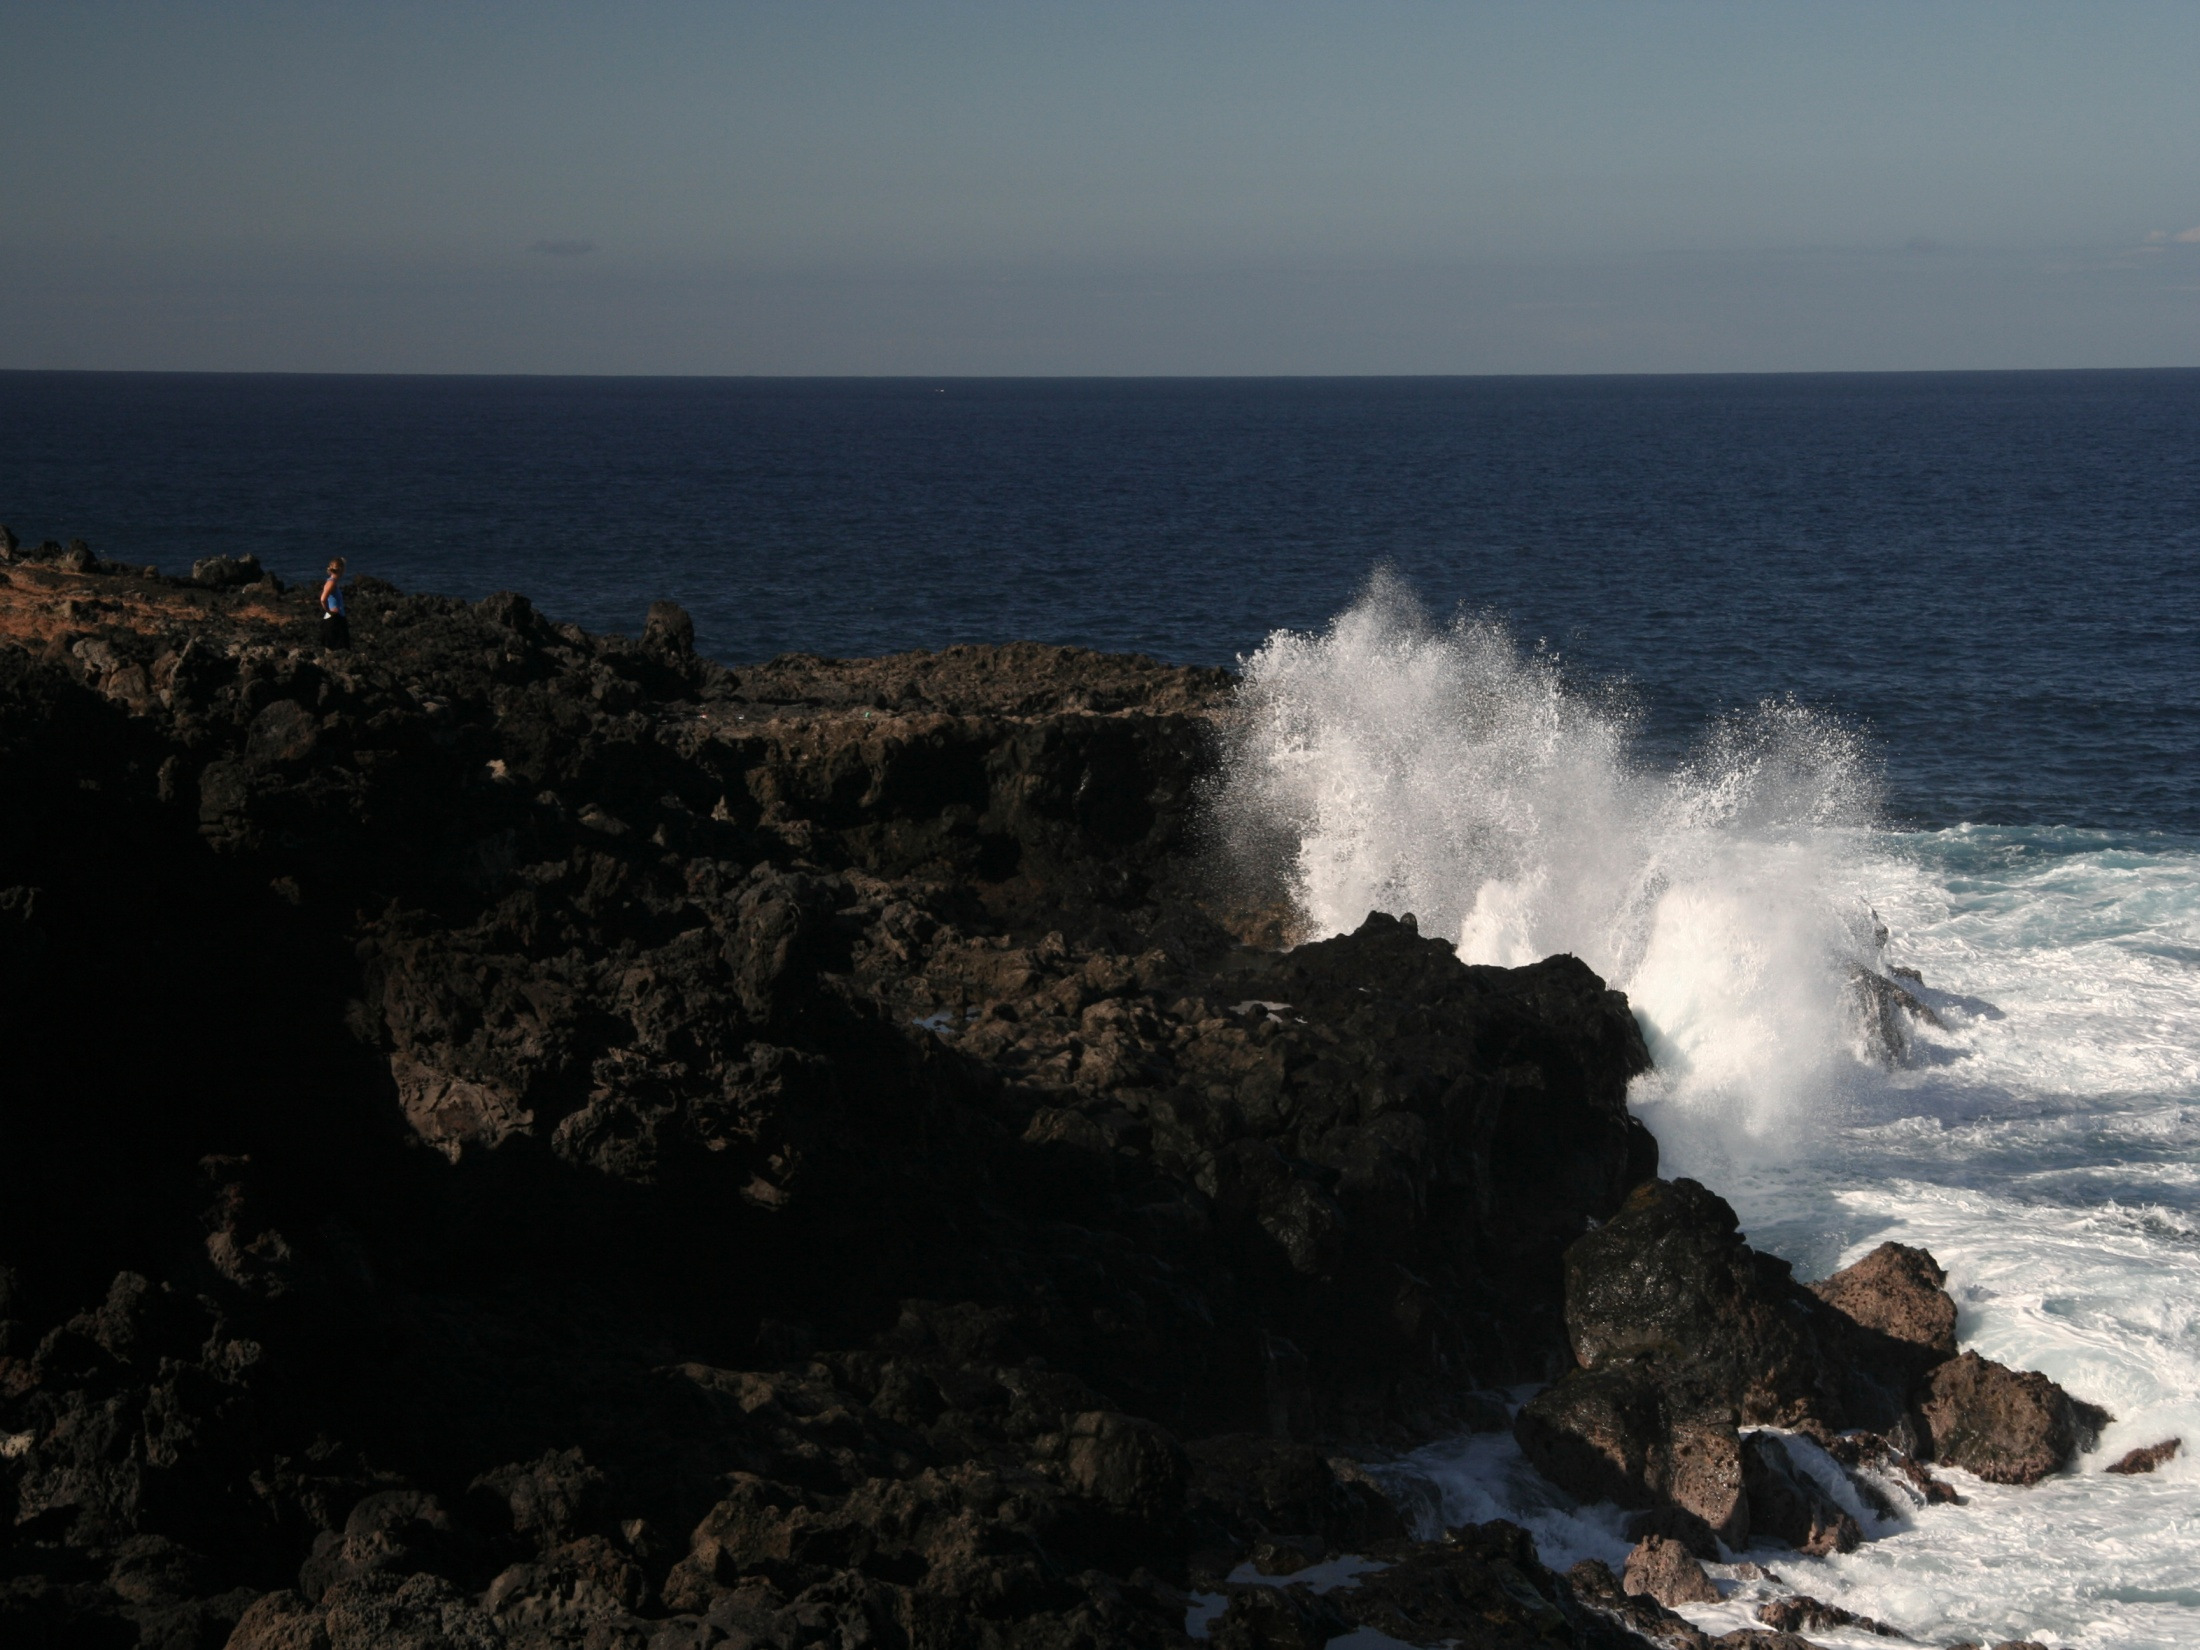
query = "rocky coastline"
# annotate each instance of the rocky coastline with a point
(521, 1138)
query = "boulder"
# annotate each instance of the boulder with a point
(226, 572)
(1800, 1613)
(1598, 1592)
(669, 631)
(392, 1532)
(1610, 1435)
(1670, 1285)
(2008, 1426)
(1127, 1465)
(2148, 1458)
(1786, 1504)
(1668, 1572)
(1901, 1293)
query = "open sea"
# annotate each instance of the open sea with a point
(1703, 679)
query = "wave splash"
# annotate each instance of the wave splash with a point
(1391, 763)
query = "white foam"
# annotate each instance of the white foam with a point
(1447, 772)
(2045, 1145)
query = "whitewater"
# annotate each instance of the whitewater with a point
(2043, 1141)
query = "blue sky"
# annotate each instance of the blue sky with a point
(1104, 188)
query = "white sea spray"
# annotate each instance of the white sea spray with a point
(2045, 1145)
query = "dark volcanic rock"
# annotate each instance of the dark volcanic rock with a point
(1897, 1291)
(2008, 1426)
(2148, 1458)
(1683, 1335)
(1804, 1614)
(1786, 1504)
(1665, 1570)
(518, 1137)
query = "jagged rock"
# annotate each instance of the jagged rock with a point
(1899, 1292)
(281, 1621)
(1803, 1614)
(2008, 1426)
(392, 1532)
(1785, 1504)
(1481, 1588)
(551, 1500)
(1277, 1618)
(416, 1612)
(1246, 1488)
(669, 630)
(1609, 1435)
(1596, 1589)
(2148, 1458)
(1887, 1009)
(1668, 1572)
(583, 1591)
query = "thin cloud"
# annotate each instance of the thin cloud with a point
(2188, 237)
(574, 249)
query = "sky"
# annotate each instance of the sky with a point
(1199, 187)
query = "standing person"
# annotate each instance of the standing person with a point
(335, 627)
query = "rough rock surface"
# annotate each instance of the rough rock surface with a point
(1804, 1614)
(516, 1137)
(2146, 1459)
(1897, 1291)
(1684, 1336)
(1668, 1572)
(2008, 1426)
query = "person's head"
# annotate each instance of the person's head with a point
(336, 567)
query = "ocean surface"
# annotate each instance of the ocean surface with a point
(1706, 680)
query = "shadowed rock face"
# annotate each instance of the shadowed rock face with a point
(516, 1137)
(1683, 1336)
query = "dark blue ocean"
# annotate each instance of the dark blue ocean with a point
(1996, 575)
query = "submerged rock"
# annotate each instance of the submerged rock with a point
(2148, 1458)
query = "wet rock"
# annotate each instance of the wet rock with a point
(1803, 1614)
(1610, 1435)
(1668, 1572)
(1786, 1504)
(1277, 1618)
(529, 1029)
(2008, 1426)
(2147, 1458)
(1888, 1011)
(1900, 1292)
(1596, 1590)
(1248, 1489)
(1481, 1588)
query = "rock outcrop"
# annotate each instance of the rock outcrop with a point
(1708, 1381)
(516, 1137)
